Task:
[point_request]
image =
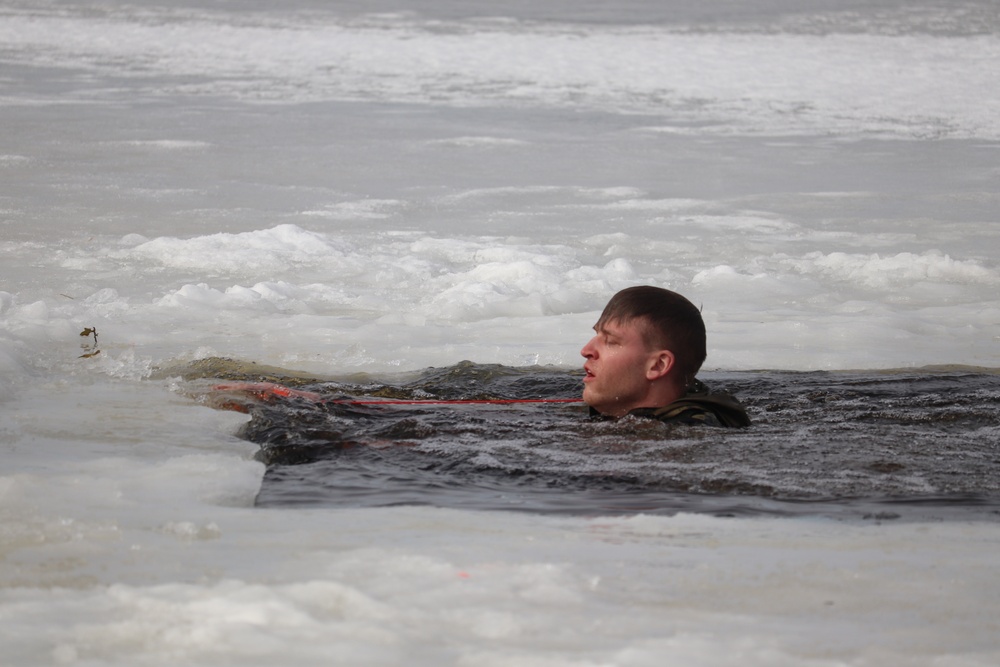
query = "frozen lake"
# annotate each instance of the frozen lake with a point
(356, 192)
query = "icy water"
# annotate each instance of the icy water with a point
(361, 196)
(922, 442)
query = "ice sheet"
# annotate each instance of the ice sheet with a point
(332, 190)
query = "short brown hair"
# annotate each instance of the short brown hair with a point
(671, 323)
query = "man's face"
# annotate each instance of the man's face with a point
(618, 360)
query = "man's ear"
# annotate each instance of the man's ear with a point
(660, 364)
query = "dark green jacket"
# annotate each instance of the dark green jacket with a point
(699, 406)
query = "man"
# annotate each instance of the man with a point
(649, 346)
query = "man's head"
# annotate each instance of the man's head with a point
(649, 346)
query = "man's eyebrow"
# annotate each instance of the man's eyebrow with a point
(603, 330)
(606, 323)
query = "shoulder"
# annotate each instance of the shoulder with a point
(683, 413)
(700, 406)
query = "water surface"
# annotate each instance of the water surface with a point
(874, 444)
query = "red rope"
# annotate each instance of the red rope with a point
(265, 390)
(489, 401)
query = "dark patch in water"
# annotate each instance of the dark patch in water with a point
(874, 445)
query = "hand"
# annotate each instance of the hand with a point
(233, 396)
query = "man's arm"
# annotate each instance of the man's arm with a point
(232, 396)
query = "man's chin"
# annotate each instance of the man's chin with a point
(605, 407)
(594, 401)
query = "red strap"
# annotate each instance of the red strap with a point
(263, 390)
(487, 401)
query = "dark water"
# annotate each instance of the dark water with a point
(874, 444)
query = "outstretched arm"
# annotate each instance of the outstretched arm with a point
(232, 396)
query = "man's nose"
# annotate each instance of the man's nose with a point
(588, 350)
